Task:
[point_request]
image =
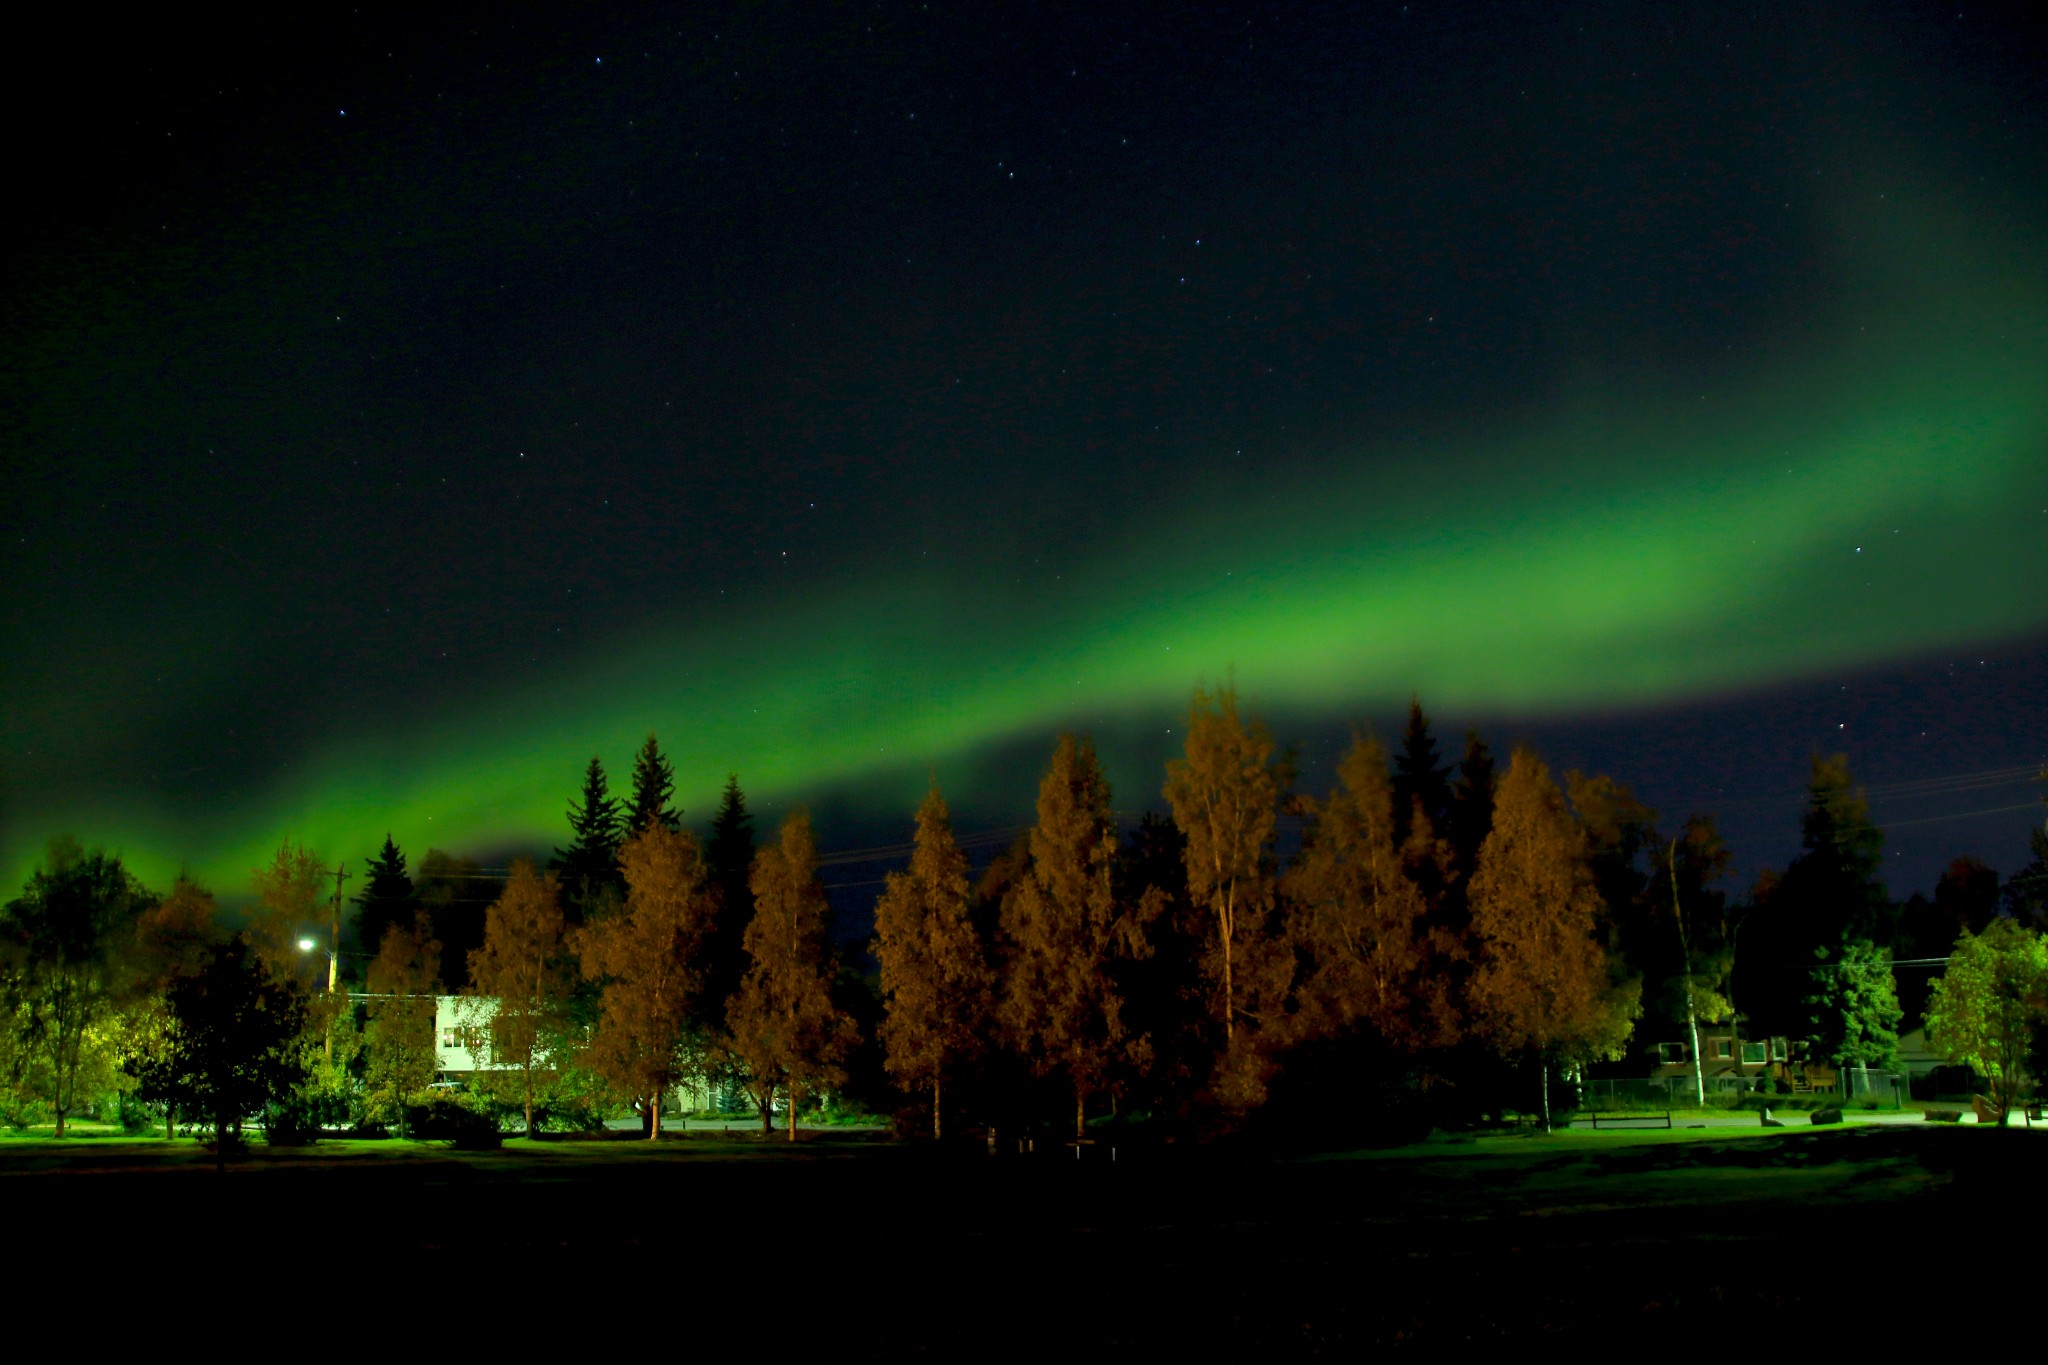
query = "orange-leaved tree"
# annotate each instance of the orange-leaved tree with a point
(520, 976)
(399, 1056)
(1225, 795)
(174, 940)
(1542, 989)
(648, 958)
(1065, 934)
(1359, 919)
(289, 891)
(786, 1031)
(935, 979)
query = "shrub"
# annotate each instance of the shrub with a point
(291, 1123)
(1831, 1114)
(1944, 1115)
(133, 1116)
(444, 1118)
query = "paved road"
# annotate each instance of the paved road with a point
(1799, 1118)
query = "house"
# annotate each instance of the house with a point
(462, 1026)
(462, 1043)
(1720, 1066)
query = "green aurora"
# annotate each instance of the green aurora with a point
(1866, 494)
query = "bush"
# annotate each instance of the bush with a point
(133, 1116)
(1831, 1114)
(445, 1118)
(291, 1123)
(1944, 1115)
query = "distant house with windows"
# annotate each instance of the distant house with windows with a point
(462, 1035)
(1721, 1069)
(462, 1025)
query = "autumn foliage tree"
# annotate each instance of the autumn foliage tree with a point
(784, 1027)
(935, 980)
(1225, 795)
(400, 1058)
(174, 940)
(1542, 987)
(647, 959)
(1359, 921)
(1065, 934)
(522, 968)
(288, 898)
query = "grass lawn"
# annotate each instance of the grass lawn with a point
(1760, 1232)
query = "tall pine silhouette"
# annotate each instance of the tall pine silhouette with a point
(590, 864)
(1421, 781)
(729, 862)
(654, 781)
(387, 898)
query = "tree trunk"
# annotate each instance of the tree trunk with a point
(1080, 1113)
(792, 1113)
(1692, 1024)
(654, 1118)
(60, 1123)
(529, 1095)
(1229, 999)
(1543, 1087)
(170, 1122)
(937, 1133)
(768, 1111)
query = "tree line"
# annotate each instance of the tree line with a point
(1436, 942)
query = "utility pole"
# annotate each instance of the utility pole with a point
(334, 952)
(334, 926)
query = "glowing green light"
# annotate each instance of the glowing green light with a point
(1837, 505)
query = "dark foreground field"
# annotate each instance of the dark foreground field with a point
(1627, 1242)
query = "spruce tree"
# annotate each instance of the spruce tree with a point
(387, 898)
(590, 864)
(1421, 781)
(729, 861)
(654, 782)
(1471, 816)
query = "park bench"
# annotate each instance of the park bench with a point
(1656, 1120)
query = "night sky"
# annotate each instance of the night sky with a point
(397, 412)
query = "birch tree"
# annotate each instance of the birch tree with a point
(1065, 934)
(400, 1059)
(522, 969)
(1360, 919)
(785, 1028)
(1225, 795)
(1542, 986)
(648, 959)
(935, 980)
